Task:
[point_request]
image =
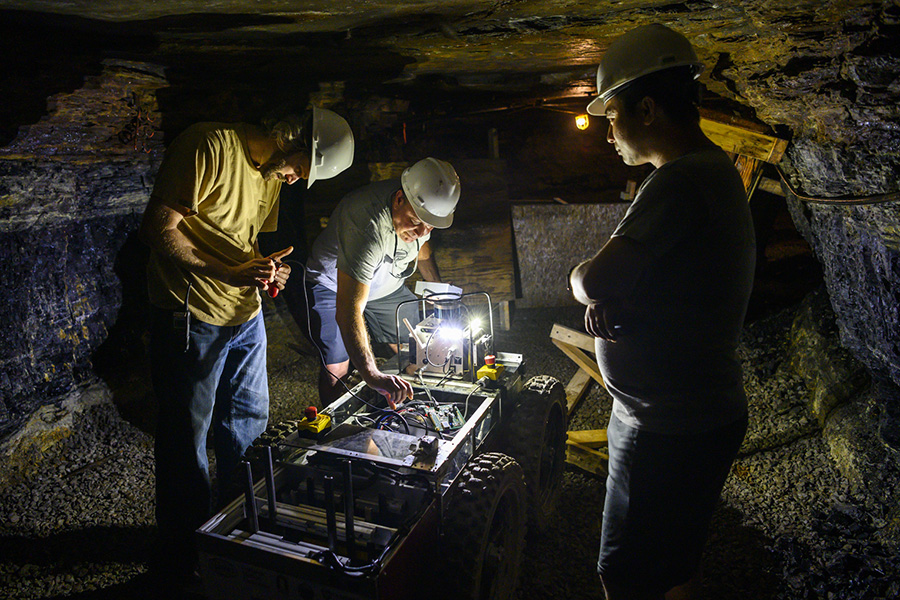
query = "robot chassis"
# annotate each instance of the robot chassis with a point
(430, 498)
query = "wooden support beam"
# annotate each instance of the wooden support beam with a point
(577, 388)
(751, 171)
(746, 142)
(581, 359)
(771, 186)
(504, 322)
(572, 337)
(576, 346)
(477, 257)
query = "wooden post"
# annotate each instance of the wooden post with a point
(503, 317)
(577, 388)
(583, 448)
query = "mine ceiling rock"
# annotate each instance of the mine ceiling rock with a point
(82, 81)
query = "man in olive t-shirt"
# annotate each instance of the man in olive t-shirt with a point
(216, 190)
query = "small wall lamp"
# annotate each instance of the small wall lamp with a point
(582, 122)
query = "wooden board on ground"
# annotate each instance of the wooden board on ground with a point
(572, 337)
(590, 438)
(577, 388)
(585, 450)
(576, 345)
(581, 358)
(587, 460)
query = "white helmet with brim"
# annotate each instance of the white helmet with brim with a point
(431, 186)
(331, 151)
(641, 51)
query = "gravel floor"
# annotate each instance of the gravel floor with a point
(79, 522)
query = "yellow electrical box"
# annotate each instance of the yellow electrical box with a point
(317, 425)
(491, 371)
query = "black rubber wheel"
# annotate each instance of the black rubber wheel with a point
(269, 438)
(484, 530)
(536, 438)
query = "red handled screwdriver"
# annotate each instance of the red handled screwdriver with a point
(273, 289)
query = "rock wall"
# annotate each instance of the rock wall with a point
(72, 192)
(854, 411)
(834, 82)
(859, 249)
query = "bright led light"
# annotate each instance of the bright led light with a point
(475, 325)
(582, 122)
(451, 333)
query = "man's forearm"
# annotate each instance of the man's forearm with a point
(612, 273)
(428, 269)
(356, 341)
(176, 246)
(160, 230)
(576, 283)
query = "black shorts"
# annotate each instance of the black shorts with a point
(661, 492)
(379, 314)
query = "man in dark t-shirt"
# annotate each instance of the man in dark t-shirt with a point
(666, 299)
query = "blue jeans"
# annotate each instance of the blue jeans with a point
(661, 492)
(219, 383)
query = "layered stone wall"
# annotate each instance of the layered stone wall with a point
(62, 293)
(859, 249)
(833, 79)
(72, 191)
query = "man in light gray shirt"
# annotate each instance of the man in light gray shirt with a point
(375, 239)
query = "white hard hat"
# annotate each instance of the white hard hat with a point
(639, 52)
(332, 145)
(431, 186)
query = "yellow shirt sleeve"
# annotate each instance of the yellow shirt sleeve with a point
(188, 172)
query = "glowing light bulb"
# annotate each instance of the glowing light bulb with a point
(450, 333)
(582, 122)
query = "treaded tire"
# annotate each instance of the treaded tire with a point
(273, 434)
(484, 530)
(536, 438)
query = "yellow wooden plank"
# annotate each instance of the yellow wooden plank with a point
(572, 337)
(744, 141)
(581, 359)
(591, 462)
(588, 450)
(592, 438)
(750, 170)
(771, 186)
(576, 389)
